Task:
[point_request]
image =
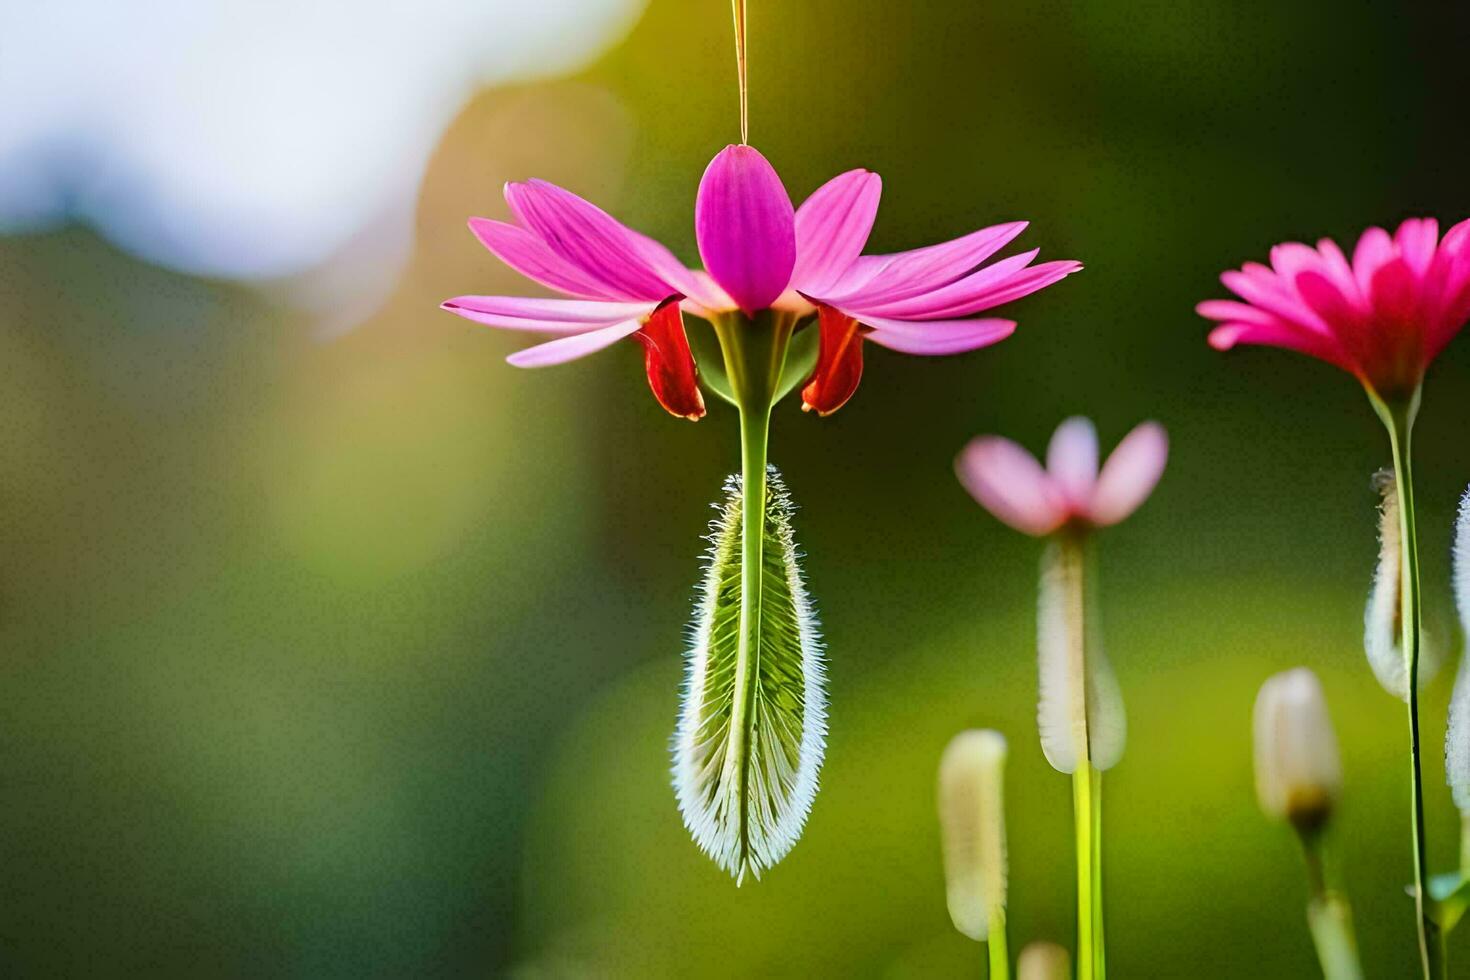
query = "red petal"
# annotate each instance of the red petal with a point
(839, 363)
(670, 363)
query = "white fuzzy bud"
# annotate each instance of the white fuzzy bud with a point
(972, 829)
(1298, 773)
(1044, 961)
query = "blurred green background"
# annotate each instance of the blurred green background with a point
(360, 658)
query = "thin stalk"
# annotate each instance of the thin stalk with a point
(1086, 780)
(1000, 956)
(755, 352)
(1100, 966)
(738, 8)
(1465, 844)
(1330, 918)
(1087, 916)
(1400, 422)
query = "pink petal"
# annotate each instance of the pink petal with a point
(995, 285)
(948, 294)
(691, 283)
(1071, 460)
(544, 315)
(1327, 301)
(1417, 239)
(858, 274)
(1374, 250)
(832, 227)
(1262, 287)
(906, 274)
(1457, 238)
(1229, 309)
(705, 297)
(530, 256)
(746, 228)
(1280, 333)
(936, 338)
(565, 349)
(1130, 474)
(1007, 481)
(590, 239)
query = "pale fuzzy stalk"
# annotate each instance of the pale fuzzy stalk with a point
(1086, 780)
(1330, 918)
(1400, 421)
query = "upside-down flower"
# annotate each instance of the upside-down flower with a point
(759, 254)
(1080, 714)
(1383, 316)
(1070, 491)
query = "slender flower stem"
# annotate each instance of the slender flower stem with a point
(1086, 780)
(738, 8)
(1465, 844)
(1400, 422)
(1330, 918)
(1000, 956)
(1086, 915)
(755, 352)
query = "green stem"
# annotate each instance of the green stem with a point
(755, 352)
(1000, 957)
(1331, 922)
(1088, 948)
(1399, 419)
(1330, 918)
(1086, 780)
(1465, 845)
(1100, 969)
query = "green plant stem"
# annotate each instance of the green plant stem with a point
(1465, 845)
(1399, 419)
(1330, 918)
(1000, 956)
(1087, 811)
(755, 352)
(1086, 780)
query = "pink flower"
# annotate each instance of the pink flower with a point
(922, 301)
(624, 283)
(759, 253)
(1069, 492)
(1383, 317)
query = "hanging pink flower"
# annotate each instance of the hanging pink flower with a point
(759, 253)
(1383, 317)
(1070, 491)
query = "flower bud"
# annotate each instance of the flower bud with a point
(1044, 961)
(1298, 775)
(972, 830)
(1383, 619)
(1457, 733)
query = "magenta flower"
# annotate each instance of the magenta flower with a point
(1070, 491)
(759, 253)
(1383, 317)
